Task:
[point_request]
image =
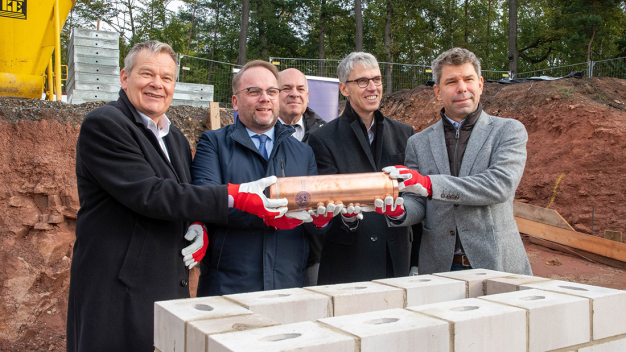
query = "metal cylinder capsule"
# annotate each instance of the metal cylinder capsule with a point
(304, 192)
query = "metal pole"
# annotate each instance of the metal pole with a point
(57, 52)
(593, 209)
(50, 91)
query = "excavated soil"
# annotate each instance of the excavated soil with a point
(576, 165)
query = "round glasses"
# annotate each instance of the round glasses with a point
(364, 82)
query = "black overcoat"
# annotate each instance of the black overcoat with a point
(341, 147)
(135, 209)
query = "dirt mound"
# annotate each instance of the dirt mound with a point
(576, 147)
(575, 127)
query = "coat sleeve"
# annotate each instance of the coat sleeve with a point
(326, 164)
(415, 205)
(109, 155)
(206, 170)
(498, 182)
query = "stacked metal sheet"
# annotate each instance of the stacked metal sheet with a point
(193, 94)
(93, 66)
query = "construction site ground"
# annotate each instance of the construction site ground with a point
(576, 165)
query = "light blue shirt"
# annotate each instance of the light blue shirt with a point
(269, 144)
(456, 125)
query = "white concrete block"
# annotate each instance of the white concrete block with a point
(302, 337)
(198, 332)
(509, 283)
(426, 289)
(171, 318)
(479, 325)
(612, 346)
(474, 279)
(361, 297)
(397, 330)
(286, 306)
(608, 305)
(555, 320)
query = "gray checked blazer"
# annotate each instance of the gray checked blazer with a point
(478, 204)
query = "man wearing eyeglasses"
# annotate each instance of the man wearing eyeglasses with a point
(249, 254)
(361, 247)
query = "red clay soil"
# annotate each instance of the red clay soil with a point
(576, 129)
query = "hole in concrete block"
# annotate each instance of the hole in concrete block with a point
(532, 298)
(382, 321)
(464, 308)
(481, 274)
(354, 288)
(424, 280)
(277, 295)
(574, 288)
(281, 337)
(204, 307)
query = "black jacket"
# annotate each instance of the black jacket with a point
(341, 147)
(135, 209)
(246, 255)
(312, 122)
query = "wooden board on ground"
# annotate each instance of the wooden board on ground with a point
(596, 245)
(588, 255)
(539, 214)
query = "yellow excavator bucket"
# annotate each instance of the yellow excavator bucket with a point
(27, 40)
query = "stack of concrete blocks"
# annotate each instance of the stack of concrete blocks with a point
(93, 72)
(472, 310)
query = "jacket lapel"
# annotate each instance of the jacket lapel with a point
(378, 140)
(363, 142)
(438, 148)
(176, 156)
(477, 139)
(240, 135)
(130, 109)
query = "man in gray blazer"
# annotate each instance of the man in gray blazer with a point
(474, 163)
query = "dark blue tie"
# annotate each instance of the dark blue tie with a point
(262, 138)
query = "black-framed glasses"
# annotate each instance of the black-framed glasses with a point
(364, 82)
(256, 92)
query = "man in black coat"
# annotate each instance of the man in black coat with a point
(133, 174)
(361, 140)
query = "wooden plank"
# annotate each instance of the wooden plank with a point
(573, 239)
(613, 235)
(588, 255)
(214, 116)
(539, 214)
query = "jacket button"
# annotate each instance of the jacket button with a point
(443, 195)
(183, 282)
(452, 233)
(374, 238)
(457, 197)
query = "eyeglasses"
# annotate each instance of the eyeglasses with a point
(364, 82)
(256, 92)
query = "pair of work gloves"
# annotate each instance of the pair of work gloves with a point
(250, 197)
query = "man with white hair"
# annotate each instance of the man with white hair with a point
(361, 247)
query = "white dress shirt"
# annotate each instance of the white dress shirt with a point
(160, 131)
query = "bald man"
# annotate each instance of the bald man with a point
(293, 101)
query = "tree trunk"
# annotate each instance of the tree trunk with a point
(243, 35)
(321, 38)
(513, 54)
(132, 23)
(214, 44)
(193, 17)
(358, 16)
(259, 9)
(589, 46)
(388, 66)
(488, 34)
(466, 22)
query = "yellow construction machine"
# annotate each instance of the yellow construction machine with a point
(30, 32)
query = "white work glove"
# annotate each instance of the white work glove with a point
(352, 212)
(413, 271)
(389, 207)
(250, 198)
(412, 181)
(323, 214)
(194, 253)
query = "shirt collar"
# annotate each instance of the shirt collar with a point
(299, 123)
(269, 133)
(456, 125)
(163, 125)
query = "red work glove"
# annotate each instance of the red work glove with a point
(412, 181)
(249, 197)
(323, 214)
(389, 207)
(352, 211)
(289, 221)
(194, 253)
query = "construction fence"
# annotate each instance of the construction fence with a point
(397, 76)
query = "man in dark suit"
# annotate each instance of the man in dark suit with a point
(361, 140)
(133, 175)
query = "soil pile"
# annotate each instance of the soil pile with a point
(576, 129)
